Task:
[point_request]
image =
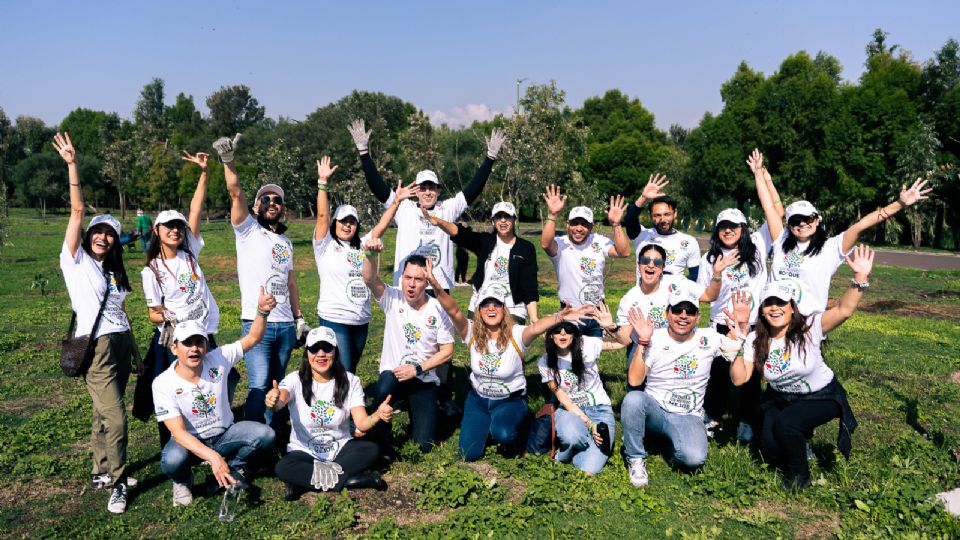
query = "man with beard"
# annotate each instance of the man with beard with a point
(264, 259)
(682, 249)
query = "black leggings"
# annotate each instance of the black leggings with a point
(296, 468)
(786, 429)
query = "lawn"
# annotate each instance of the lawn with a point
(899, 358)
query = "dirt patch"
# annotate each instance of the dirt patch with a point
(823, 525)
(27, 405)
(896, 307)
(955, 377)
(941, 294)
(398, 502)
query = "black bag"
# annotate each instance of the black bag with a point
(77, 352)
(543, 433)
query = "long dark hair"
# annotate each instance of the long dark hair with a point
(745, 247)
(153, 251)
(341, 385)
(796, 340)
(816, 242)
(112, 259)
(576, 351)
(354, 241)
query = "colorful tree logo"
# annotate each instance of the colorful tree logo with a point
(322, 412)
(411, 332)
(778, 361)
(685, 365)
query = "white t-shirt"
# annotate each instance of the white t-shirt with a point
(677, 373)
(810, 274)
(580, 269)
(655, 305)
(588, 394)
(794, 372)
(497, 374)
(320, 429)
(496, 272)
(204, 406)
(183, 289)
(736, 278)
(416, 235)
(264, 258)
(86, 285)
(682, 249)
(344, 297)
(411, 336)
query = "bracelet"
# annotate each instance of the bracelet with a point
(370, 421)
(322, 187)
(370, 253)
(861, 285)
(589, 425)
(551, 219)
(716, 278)
(77, 184)
(263, 313)
(419, 369)
(643, 342)
(882, 214)
(614, 330)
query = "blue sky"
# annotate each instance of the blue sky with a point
(455, 61)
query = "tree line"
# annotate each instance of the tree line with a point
(845, 146)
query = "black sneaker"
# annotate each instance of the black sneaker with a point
(291, 492)
(118, 499)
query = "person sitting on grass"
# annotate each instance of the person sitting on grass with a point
(323, 397)
(191, 398)
(802, 391)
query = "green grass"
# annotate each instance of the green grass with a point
(896, 358)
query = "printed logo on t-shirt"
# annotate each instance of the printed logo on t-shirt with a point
(736, 273)
(500, 266)
(793, 259)
(490, 363)
(672, 287)
(595, 247)
(588, 265)
(357, 291)
(430, 250)
(431, 321)
(591, 293)
(704, 342)
(671, 258)
(684, 243)
(215, 373)
(186, 283)
(657, 317)
(683, 399)
(355, 259)
(412, 333)
(281, 256)
(778, 361)
(568, 379)
(203, 405)
(685, 365)
(160, 411)
(322, 412)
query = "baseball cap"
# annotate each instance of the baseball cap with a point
(732, 215)
(321, 333)
(683, 294)
(583, 212)
(345, 210)
(270, 188)
(783, 290)
(105, 219)
(169, 215)
(427, 175)
(800, 208)
(505, 207)
(187, 329)
(497, 292)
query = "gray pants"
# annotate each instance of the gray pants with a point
(106, 382)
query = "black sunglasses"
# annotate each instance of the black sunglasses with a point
(267, 199)
(774, 302)
(491, 302)
(795, 221)
(644, 260)
(688, 309)
(321, 346)
(728, 225)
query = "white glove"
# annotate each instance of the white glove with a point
(361, 137)
(302, 328)
(730, 348)
(226, 147)
(495, 142)
(325, 474)
(170, 317)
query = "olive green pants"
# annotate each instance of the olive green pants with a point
(106, 382)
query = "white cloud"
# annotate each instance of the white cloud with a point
(464, 116)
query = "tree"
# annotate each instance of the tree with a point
(185, 122)
(281, 164)
(32, 135)
(149, 114)
(91, 131)
(233, 109)
(918, 160)
(118, 169)
(40, 179)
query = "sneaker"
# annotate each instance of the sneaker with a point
(182, 496)
(711, 426)
(240, 476)
(118, 499)
(101, 481)
(744, 432)
(638, 472)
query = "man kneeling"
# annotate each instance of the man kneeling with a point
(190, 398)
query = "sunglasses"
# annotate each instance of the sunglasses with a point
(267, 199)
(321, 346)
(688, 309)
(176, 224)
(774, 302)
(565, 330)
(796, 221)
(644, 260)
(503, 217)
(728, 225)
(491, 302)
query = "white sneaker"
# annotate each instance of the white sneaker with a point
(182, 496)
(638, 472)
(118, 499)
(744, 432)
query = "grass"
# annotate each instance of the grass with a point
(899, 359)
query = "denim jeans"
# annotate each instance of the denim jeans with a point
(422, 400)
(235, 445)
(351, 339)
(640, 413)
(575, 443)
(266, 362)
(482, 417)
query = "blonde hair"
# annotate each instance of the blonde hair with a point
(479, 337)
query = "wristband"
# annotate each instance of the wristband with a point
(859, 284)
(643, 342)
(370, 421)
(72, 184)
(263, 313)
(370, 253)
(322, 187)
(717, 278)
(551, 219)
(419, 369)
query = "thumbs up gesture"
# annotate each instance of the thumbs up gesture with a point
(273, 396)
(385, 411)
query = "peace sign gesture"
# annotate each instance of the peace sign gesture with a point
(200, 159)
(65, 147)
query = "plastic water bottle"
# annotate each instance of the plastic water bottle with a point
(228, 507)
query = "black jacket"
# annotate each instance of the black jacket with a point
(522, 271)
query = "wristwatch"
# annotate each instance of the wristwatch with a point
(419, 369)
(859, 284)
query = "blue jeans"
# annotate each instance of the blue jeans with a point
(575, 443)
(235, 444)
(267, 362)
(422, 400)
(640, 413)
(351, 339)
(482, 417)
(145, 240)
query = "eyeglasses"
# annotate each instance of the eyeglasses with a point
(267, 199)
(321, 346)
(774, 302)
(688, 309)
(796, 221)
(491, 302)
(644, 260)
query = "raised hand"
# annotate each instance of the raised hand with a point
(65, 147)
(200, 159)
(654, 187)
(266, 302)
(225, 148)
(603, 315)
(361, 137)
(861, 262)
(738, 320)
(576, 315)
(915, 194)
(495, 142)
(270, 400)
(407, 192)
(730, 259)
(755, 162)
(618, 205)
(385, 411)
(373, 245)
(555, 202)
(324, 171)
(641, 324)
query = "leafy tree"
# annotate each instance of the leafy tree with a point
(233, 109)
(918, 160)
(149, 114)
(40, 179)
(32, 135)
(281, 164)
(91, 131)
(186, 124)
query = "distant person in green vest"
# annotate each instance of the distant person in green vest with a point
(144, 229)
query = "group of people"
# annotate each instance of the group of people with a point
(767, 321)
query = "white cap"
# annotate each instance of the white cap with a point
(169, 215)
(106, 219)
(187, 329)
(800, 208)
(505, 207)
(345, 210)
(732, 215)
(496, 291)
(427, 175)
(270, 188)
(321, 333)
(683, 294)
(784, 290)
(583, 212)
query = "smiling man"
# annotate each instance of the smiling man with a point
(683, 252)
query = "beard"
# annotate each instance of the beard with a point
(274, 224)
